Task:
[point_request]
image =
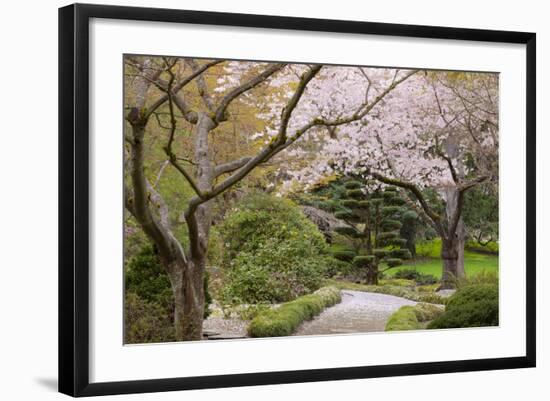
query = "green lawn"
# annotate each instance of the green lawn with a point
(474, 263)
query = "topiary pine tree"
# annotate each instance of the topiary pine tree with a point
(373, 223)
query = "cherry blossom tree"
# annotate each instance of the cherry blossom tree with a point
(305, 99)
(438, 131)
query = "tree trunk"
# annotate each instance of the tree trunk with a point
(460, 239)
(188, 290)
(453, 245)
(372, 274)
(449, 255)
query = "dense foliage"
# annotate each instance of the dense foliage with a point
(149, 300)
(470, 306)
(273, 253)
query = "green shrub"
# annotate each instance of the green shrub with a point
(362, 261)
(401, 253)
(400, 282)
(394, 262)
(336, 266)
(145, 277)
(418, 277)
(403, 319)
(391, 225)
(345, 230)
(345, 256)
(410, 317)
(470, 306)
(490, 248)
(273, 253)
(355, 193)
(284, 320)
(353, 185)
(145, 322)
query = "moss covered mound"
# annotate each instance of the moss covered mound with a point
(471, 306)
(284, 320)
(412, 317)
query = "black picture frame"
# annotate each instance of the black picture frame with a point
(74, 198)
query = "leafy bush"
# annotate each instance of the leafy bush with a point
(336, 266)
(410, 317)
(474, 246)
(470, 306)
(284, 320)
(146, 278)
(273, 253)
(145, 322)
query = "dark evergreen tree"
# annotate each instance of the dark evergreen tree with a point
(373, 223)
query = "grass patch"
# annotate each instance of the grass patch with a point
(474, 264)
(284, 320)
(412, 317)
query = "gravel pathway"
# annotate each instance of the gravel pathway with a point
(359, 312)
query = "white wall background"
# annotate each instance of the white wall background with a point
(28, 200)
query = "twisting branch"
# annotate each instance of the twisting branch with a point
(168, 148)
(179, 86)
(201, 84)
(279, 141)
(231, 166)
(252, 83)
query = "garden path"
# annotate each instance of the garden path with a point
(359, 312)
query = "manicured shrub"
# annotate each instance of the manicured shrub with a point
(345, 230)
(362, 261)
(354, 193)
(285, 319)
(411, 317)
(391, 225)
(470, 306)
(273, 253)
(387, 235)
(403, 319)
(418, 277)
(345, 256)
(394, 262)
(401, 253)
(350, 203)
(353, 185)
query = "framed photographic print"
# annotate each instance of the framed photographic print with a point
(249, 199)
